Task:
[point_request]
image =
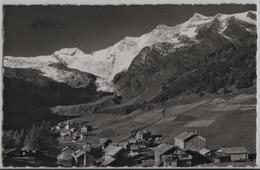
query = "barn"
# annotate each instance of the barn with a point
(236, 153)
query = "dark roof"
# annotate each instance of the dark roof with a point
(104, 140)
(234, 150)
(162, 148)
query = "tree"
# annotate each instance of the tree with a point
(19, 139)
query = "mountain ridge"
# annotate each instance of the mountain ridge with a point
(108, 62)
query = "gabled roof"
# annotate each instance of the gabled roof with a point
(184, 135)
(78, 153)
(162, 148)
(234, 150)
(112, 150)
(187, 135)
(204, 151)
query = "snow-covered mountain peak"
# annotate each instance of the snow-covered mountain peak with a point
(197, 17)
(106, 63)
(162, 27)
(69, 51)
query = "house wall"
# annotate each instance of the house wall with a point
(239, 157)
(170, 164)
(195, 144)
(179, 143)
(80, 161)
(184, 163)
(157, 159)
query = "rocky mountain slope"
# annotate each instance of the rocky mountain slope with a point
(202, 55)
(221, 52)
(106, 63)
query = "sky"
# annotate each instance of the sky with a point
(40, 30)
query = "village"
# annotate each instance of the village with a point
(141, 149)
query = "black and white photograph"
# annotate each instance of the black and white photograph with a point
(129, 85)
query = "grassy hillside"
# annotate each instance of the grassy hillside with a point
(228, 120)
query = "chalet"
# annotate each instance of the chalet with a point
(65, 158)
(169, 160)
(160, 150)
(142, 135)
(80, 157)
(104, 142)
(232, 153)
(183, 158)
(190, 140)
(83, 158)
(217, 155)
(169, 155)
(114, 156)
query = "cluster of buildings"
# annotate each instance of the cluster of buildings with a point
(73, 131)
(188, 149)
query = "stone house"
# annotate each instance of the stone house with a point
(190, 140)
